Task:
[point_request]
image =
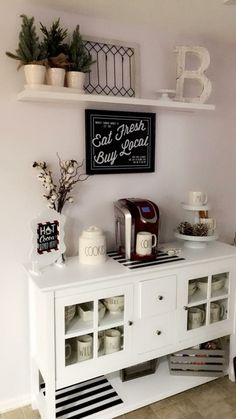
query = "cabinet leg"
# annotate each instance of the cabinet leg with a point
(232, 357)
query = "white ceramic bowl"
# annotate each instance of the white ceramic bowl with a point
(202, 285)
(217, 283)
(192, 287)
(69, 313)
(114, 304)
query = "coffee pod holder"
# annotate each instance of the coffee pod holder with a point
(195, 242)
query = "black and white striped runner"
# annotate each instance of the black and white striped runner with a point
(161, 258)
(85, 399)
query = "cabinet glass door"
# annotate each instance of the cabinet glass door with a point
(92, 328)
(205, 301)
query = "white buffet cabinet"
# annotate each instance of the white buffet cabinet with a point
(153, 324)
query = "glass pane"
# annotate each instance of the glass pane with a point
(218, 310)
(219, 284)
(78, 349)
(197, 289)
(79, 317)
(110, 341)
(196, 316)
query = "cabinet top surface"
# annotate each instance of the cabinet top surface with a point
(73, 273)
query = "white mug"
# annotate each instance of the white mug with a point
(84, 347)
(196, 317)
(145, 241)
(211, 224)
(197, 198)
(217, 312)
(112, 341)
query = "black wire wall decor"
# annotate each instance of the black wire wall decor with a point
(114, 71)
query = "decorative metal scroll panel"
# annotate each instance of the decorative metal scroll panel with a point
(113, 73)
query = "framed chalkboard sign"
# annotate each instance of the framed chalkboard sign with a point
(47, 240)
(119, 142)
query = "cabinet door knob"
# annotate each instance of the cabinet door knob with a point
(185, 308)
(130, 323)
(158, 332)
(160, 297)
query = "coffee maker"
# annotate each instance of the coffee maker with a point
(132, 216)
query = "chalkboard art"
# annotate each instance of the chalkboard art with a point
(119, 142)
(47, 240)
(48, 237)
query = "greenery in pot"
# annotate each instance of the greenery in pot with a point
(29, 50)
(53, 46)
(79, 58)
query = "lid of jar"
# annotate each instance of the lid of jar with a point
(92, 231)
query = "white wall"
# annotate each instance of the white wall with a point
(192, 151)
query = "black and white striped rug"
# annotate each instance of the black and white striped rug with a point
(85, 399)
(161, 258)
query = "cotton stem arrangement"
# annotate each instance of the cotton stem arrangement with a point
(58, 195)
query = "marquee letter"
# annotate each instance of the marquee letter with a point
(198, 74)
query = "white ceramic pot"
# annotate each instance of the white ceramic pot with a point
(34, 73)
(92, 246)
(75, 79)
(56, 76)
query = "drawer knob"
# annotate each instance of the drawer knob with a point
(160, 297)
(158, 332)
(130, 323)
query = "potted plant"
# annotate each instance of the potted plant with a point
(56, 52)
(29, 53)
(80, 61)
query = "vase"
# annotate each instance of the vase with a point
(55, 76)
(34, 73)
(75, 80)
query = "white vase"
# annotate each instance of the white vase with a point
(34, 73)
(75, 79)
(55, 76)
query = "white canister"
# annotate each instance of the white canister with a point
(92, 246)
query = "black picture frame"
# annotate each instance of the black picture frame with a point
(119, 142)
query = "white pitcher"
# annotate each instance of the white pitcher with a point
(92, 246)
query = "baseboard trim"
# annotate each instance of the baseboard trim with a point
(11, 404)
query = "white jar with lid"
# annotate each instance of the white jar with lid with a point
(92, 246)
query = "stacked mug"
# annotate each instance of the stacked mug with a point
(199, 199)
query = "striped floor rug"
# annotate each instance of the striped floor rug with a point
(161, 258)
(85, 399)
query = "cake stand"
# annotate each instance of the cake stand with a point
(196, 242)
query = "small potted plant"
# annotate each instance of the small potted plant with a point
(56, 52)
(29, 53)
(80, 62)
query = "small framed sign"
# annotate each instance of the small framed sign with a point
(48, 239)
(119, 142)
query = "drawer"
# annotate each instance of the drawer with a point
(154, 333)
(157, 296)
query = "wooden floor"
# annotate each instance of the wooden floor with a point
(215, 400)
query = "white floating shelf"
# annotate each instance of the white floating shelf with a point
(44, 93)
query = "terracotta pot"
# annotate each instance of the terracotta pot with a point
(55, 76)
(35, 73)
(75, 79)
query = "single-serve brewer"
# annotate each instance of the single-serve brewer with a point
(137, 227)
